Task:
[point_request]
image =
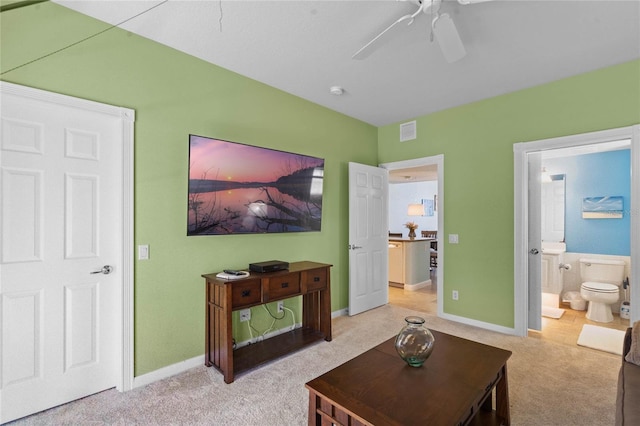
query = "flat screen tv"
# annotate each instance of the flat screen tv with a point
(242, 189)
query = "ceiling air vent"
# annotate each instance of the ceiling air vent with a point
(408, 131)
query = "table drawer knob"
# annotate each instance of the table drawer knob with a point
(246, 293)
(316, 279)
(284, 285)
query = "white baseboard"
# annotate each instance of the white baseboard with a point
(417, 286)
(340, 313)
(168, 371)
(479, 324)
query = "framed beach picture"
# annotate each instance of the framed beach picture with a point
(602, 207)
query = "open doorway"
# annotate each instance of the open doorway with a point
(422, 169)
(529, 248)
(570, 236)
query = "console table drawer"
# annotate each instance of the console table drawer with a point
(316, 279)
(246, 293)
(284, 286)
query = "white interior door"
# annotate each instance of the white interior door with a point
(368, 237)
(61, 221)
(535, 240)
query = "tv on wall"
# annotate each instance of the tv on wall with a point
(236, 188)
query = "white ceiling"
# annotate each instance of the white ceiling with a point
(305, 47)
(414, 174)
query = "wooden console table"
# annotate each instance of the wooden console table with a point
(310, 280)
(453, 387)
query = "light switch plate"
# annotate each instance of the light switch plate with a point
(453, 238)
(143, 252)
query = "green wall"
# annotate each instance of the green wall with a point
(174, 95)
(477, 142)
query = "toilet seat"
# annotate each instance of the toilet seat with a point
(600, 287)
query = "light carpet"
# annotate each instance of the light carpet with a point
(601, 338)
(551, 312)
(549, 383)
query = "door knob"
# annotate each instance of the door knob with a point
(354, 247)
(106, 269)
(534, 251)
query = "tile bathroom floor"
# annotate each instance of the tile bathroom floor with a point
(564, 330)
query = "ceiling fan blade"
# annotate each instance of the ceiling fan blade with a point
(378, 40)
(466, 2)
(448, 38)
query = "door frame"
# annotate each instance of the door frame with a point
(437, 160)
(127, 118)
(521, 219)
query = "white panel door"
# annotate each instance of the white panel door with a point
(368, 237)
(61, 221)
(535, 240)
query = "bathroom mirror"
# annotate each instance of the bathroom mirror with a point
(553, 203)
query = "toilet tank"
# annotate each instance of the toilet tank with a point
(602, 271)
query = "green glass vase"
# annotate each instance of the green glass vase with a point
(415, 342)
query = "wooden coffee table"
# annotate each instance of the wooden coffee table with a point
(453, 387)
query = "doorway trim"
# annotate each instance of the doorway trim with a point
(521, 219)
(438, 161)
(127, 118)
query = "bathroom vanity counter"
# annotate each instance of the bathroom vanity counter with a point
(552, 251)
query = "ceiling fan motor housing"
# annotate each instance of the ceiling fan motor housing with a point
(429, 6)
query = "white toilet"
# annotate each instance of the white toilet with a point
(601, 286)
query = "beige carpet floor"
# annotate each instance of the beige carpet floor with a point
(549, 383)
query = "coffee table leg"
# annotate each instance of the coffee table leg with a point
(502, 398)
(313, 398)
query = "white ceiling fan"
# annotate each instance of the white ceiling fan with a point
(442, 29)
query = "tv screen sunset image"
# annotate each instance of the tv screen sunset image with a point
(238, 189)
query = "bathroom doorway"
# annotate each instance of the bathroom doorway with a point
(552, 154)
(422, 169)
(568, 177)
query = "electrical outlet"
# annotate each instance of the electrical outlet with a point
(245, 315)
(454, 295)
(280, 306)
